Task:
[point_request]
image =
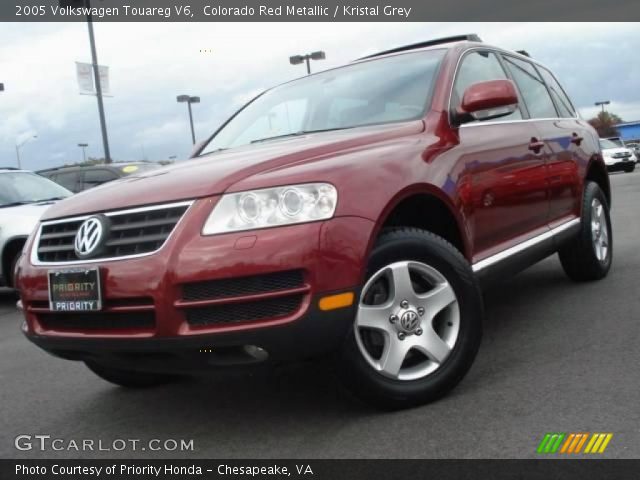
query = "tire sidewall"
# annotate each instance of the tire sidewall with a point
(431, 250)
(592, 192)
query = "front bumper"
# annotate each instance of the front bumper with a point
(620, 165)
(147, 294)
(314, 333)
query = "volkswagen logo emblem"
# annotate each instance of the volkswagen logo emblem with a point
(409, 321)
(90, 236)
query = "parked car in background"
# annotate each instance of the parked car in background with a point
(24, 196)
(635, 148)
(354, 212)
(617, 158)
(617, 140)
(77, 178)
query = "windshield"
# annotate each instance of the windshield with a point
(604, 143)
(387, 90)
(18, 188)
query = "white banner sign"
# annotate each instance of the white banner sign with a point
(84, 73)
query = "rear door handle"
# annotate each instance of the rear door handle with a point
(535, 145)
(577, 139)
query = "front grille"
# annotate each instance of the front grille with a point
(131, 232)
(236, 287)
(232, 313)
(621, 155)
(97, 320)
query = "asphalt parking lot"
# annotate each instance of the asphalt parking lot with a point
(556, 357)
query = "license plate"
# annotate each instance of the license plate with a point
(75, 290)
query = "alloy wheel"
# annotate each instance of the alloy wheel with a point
(408, 320)
(599, 230)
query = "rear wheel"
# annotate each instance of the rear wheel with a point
(630, 168)
(588, 256)
(129, 378)
(418, 325)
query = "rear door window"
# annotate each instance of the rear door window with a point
(559, 96)
(69, 180)
(95, 177)
(532, 87)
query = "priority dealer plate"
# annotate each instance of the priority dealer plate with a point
(75, 290)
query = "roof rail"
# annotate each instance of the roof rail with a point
(9, 168)
(470, 37)
(523, 52)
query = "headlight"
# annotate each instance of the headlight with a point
(272, 207)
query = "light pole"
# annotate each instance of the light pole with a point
(83, 146)
(602, 104)
(96, 73)
(19, 146)
(189, 100)
(298, 59)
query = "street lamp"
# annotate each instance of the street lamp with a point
(298, 59)
(19, 146)
(83, 146)
(189, 100)
(85, 5)
(602, 104)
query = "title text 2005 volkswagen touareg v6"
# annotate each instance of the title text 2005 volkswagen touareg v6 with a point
(353, 212)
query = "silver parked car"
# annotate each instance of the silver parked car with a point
(24, 196)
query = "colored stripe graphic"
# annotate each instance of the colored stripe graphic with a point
(550, 443)
(573, 443)
(598, 443)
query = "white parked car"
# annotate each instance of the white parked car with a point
(617, 158)
(24, 196)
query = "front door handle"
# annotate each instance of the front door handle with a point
(576, 139)
(535, 145)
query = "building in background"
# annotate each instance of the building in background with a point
(629, 131)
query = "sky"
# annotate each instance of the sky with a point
(226, 64)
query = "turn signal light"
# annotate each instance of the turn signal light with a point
(333, 302)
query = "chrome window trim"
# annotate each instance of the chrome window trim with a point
(115, 213)
(504, 254)
(499, 51)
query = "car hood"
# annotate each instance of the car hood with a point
(215, 173)
(611, 151)
(22, 219)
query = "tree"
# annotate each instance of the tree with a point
(605, 124)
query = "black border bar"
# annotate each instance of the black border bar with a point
(570, 469)
(320, 10)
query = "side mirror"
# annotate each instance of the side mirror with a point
(487, 100)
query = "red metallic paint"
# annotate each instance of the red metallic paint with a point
(498, 191)
(489, 95)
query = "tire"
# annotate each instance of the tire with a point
(426, 373)
(11, 281)
(581, 258)
(630, 168)
(129, 378)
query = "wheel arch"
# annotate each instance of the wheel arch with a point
(12, 246)
(597, 172)
(443, 219)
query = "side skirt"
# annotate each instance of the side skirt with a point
(521, 256)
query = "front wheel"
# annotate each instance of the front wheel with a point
(588, 256)
(129, 378)
(418, 325)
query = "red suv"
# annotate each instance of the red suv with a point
(354, 212)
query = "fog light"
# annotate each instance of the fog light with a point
(333, 302)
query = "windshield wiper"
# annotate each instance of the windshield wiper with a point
(52, 199)
(16, 204)
(299, 133)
